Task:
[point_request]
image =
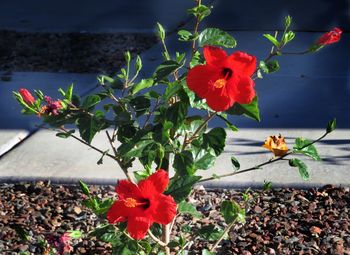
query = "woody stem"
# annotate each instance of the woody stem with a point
(116, 158)
(264, 163)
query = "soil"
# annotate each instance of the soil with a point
(69, 52)
(279, 221)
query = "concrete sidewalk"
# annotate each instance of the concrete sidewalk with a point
(44, 156)
(297, 101)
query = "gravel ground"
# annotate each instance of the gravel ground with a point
(69, 52)
(279, 221)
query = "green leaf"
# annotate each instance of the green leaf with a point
(127, 56)
(69, 93)
(65, 134)
(21, 232)
(235, 163)
(204, 159)
(141, 105)
(185, 35)
(138, 64)
(75, 234)
(289, 36)
(143, 84)
(172, 89)
(272, 39)
(176, 114)
(184, 163)
(180, 187)
(230, 210)
(187, 208)
(90, 125)
(84, 188)
(215, 139)
(287, 22)
(269, 67)
(331, 125)
(216, 37)
(301, 166)
(310, 150)
(207, 252)
(210, 232)
(250, 110)
(165, 69)
(160, 31)
(201, 11)
(91, 101)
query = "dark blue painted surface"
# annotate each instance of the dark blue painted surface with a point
(310, 15)
(308, 90)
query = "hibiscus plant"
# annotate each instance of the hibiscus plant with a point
(149, 121)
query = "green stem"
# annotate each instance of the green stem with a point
(227, 229)
(196, 26)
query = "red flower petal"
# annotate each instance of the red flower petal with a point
(243, 90)
(242, 62)
(127, 189)
(213, 55)
(200, 78)
(165, 210)
(159, 180)
(138, 227)
(219, 100)
(117, 212)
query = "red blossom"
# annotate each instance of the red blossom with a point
(330, 37)
(224, 79)
(143, 204)
(27, 96)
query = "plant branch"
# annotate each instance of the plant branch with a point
(154, 238)
(264, 163)
(116, 157)
(227, 229)
(189, 140)
(87, 144)
(196, 26)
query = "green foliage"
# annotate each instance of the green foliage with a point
(160, 31)
(235, 163)
(215, 139)
(200, 12)
(165, 69)
(302, 168)
(231, 211)
(187, 208)
(305, 147)
(210, 232)
(250, 110)
(331, 125)
(216, 37)
(270, 66)
(272, 39)
(84, 188)
(180, 187)
(89, 125)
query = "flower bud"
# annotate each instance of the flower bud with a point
(330, 37)
(27, 97)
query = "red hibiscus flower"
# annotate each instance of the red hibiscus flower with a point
(330, 37)
(224, 79)
(143, 204)
(27, 97)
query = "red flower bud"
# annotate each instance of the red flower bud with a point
(330, 37)
(27, 97)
